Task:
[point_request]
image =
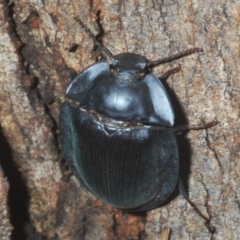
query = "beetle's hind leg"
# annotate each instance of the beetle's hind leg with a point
(196, 127)
(185, 196)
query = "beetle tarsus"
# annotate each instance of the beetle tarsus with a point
(209, 226)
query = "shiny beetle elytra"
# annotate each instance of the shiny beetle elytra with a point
(120, 140)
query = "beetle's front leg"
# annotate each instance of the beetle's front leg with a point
(170, 72)
(196, 127)
(71, 74)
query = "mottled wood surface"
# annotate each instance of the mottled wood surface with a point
(5, 225)
(40, 42)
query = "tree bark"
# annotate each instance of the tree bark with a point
(41, 42)
(5, 224)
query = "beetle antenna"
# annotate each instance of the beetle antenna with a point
(174, 57)
(89, 33)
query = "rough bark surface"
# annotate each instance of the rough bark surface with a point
(5, 226)
(40, 42)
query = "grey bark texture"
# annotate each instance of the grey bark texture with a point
(5, 225)
(40, 41)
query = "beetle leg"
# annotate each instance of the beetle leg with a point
(196, 127)
(71, 74)
(171, 71)
(174, 57)
(185, 196)
(185, 127)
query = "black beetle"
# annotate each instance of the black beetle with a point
(120, 141)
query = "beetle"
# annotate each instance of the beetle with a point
(120, 140)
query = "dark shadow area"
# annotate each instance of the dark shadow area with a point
(18, 199)
(73, 48)
(183, 143)
(97, 51)
(184, 158)
(101, 33)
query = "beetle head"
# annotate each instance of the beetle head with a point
(129, 66)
